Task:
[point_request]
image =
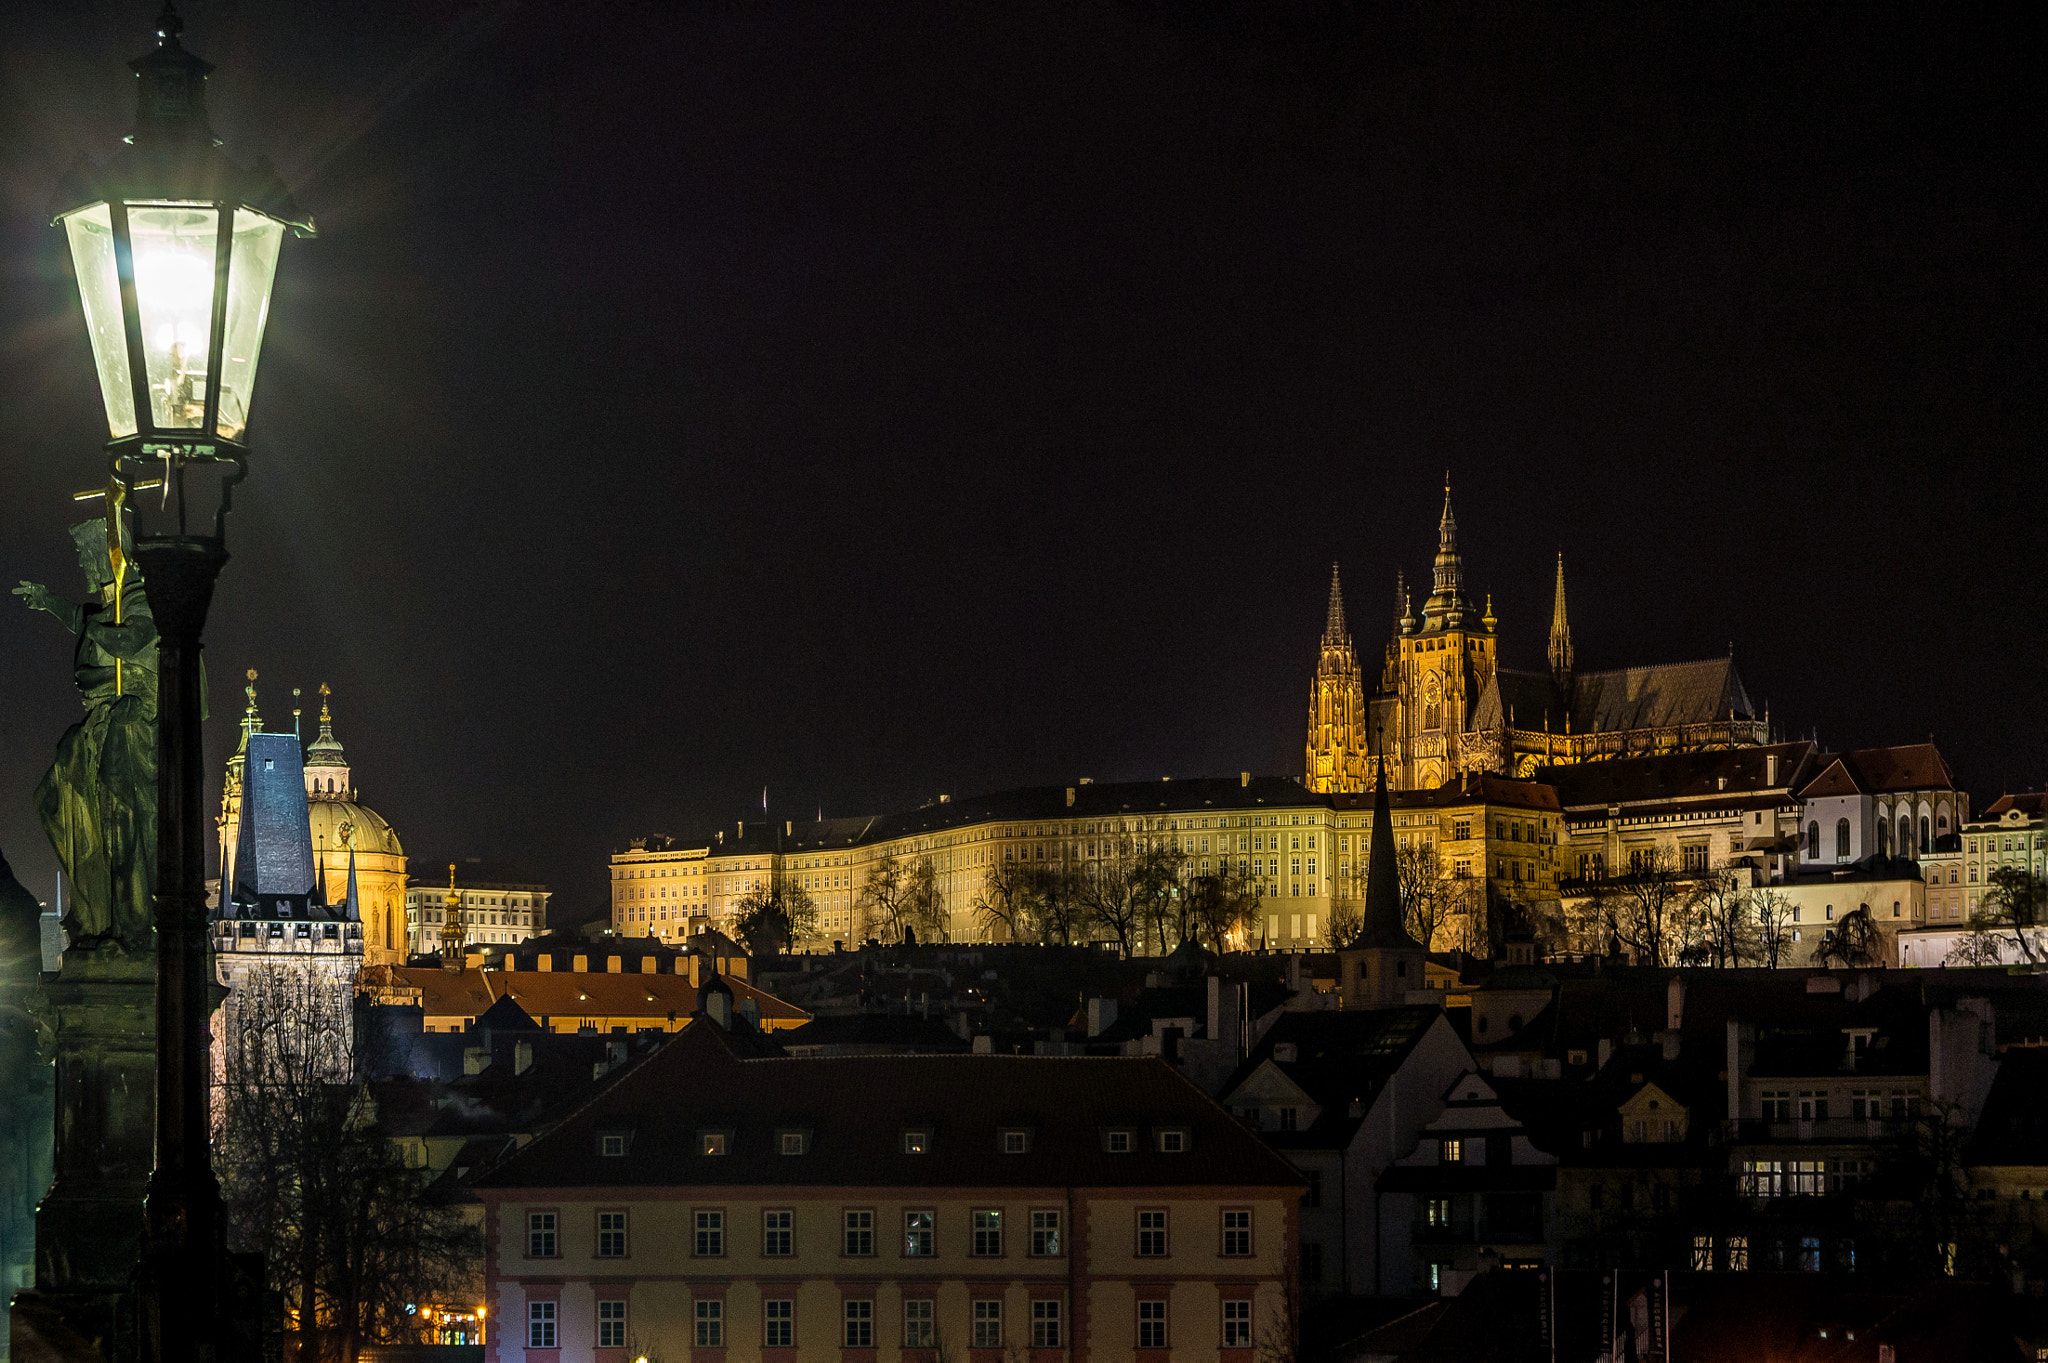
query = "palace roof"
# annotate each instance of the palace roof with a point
(1879, 771)
(1666, 695)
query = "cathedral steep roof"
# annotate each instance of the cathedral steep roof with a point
(274, 853)
(1661, 696)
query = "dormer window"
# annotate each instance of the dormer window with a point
(917, 1141)
(1451, 1150)
(793, 1142)
(711, 1142)
(1171, 1140)
(1117, 1142)
(612, 1144)
(1014, 1140)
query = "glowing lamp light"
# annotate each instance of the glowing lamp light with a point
(175, 248)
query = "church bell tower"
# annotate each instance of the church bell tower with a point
(1336, 707)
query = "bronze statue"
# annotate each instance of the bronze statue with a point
(98, 802)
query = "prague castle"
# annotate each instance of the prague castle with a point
(1443, 707)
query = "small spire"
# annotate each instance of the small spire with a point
(1560, 632)
(326, 716)
(1488, 619)
(1334, 632)
(295, 713)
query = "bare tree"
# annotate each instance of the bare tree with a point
(1225, 904)
(2009, 914)
(1347, 920)
(1113, 891)
(1724, 927)
(1428, 895)
(901, 899)
(1010, 905)
(775, 916)
(346, 1228)
(1167, 910)
(1646, 910)
(1772, 913)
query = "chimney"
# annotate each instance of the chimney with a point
(579, 964)
(1070, 797)
(1244, 778)
(1770, 769)
(614, 965)
(1213, 1030)
(545, 961)
(476, 1060)
(696, 970)
(522, 1057)
(789, 828)
(1674, 1003)
(984, 1045)
(682, 966)
(1101, 1016)
(648, 965)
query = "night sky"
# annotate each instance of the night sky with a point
(879, 400)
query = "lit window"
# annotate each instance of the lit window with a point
(988, 1234)
(1452, 1151)
(918, 1235)
(711, 1142)
(916, 1142)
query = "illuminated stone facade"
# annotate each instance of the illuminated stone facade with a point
(1444, 707)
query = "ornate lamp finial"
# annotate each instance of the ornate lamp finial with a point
(325, 717)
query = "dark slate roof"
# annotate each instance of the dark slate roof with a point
(1339, 1057)
(472, 873)
(1468, 788)
(1878, 771)
(873, 1031)
(1383, 927)
(856, 1107)
(2026, 802)
(1655, 697)
(1027, 804)
(1728, 774)
(2013, 1129)
(274, 850)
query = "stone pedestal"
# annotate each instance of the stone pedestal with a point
(97, 1017)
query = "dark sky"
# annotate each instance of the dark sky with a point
(877, 400)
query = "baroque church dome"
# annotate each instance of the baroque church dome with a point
(344, 823)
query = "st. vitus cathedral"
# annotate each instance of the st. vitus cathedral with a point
(1443, 707)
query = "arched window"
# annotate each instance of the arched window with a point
(1429, 717)
(1813, 841)
(1841, 840)
(1884, 836)
(1905, 833)
(1926, 844)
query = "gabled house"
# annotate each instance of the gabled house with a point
(1473, 1194)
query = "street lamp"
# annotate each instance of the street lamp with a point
(175, 247)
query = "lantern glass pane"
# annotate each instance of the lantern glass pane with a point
(250, 272)
(174, 267)
(91, 233)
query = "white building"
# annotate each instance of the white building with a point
(500, 906)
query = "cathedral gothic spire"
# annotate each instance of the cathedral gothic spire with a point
(1560, 633)
(1336, 706)
(1447, 595)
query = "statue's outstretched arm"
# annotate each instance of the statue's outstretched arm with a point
(37, 597)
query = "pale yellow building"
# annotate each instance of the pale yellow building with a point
(500, 906)
(718, 1201)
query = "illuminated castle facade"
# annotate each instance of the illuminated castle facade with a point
(1444, 708)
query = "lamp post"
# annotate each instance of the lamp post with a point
(175, 247)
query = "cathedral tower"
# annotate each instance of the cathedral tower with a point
(1336, 707)
(1560, 635)
(1440, 663)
